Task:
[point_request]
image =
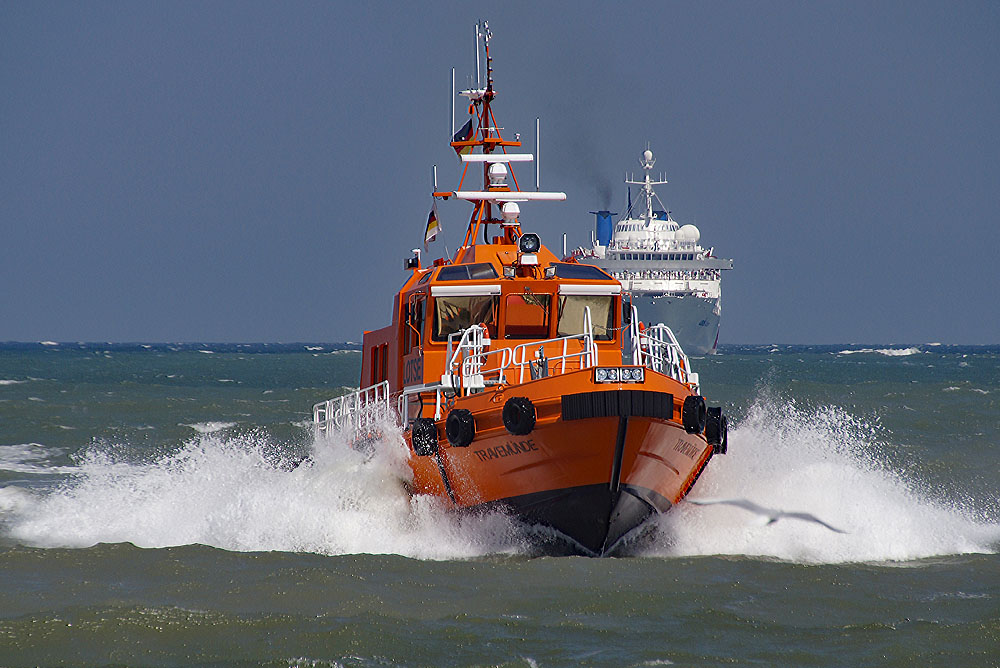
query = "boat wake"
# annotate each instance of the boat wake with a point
(244, 493)
(829, 467)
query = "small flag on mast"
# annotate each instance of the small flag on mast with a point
(433, 225)
(465, 134)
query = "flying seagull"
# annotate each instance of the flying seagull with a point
(771, 514)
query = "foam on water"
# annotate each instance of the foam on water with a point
(209, 427)
(243, 494)
(890, 352)
(33, 458)
(830, 464)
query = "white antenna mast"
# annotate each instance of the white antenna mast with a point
(479, 80)
(452, 104)
(537, 161)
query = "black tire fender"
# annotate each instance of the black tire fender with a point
(717, 430)
(519, 416)
(694, 414)
(424, 437)
(460, 427)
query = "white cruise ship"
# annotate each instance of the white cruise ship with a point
(671, 277)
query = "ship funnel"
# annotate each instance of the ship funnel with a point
(604, 226)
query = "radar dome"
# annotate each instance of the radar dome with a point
(647, 155)
(688, 233)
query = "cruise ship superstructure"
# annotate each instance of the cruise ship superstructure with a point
(671, 277)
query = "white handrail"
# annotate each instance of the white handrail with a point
(465, 370)
(359, 410)
(658, 349)
(588, 355)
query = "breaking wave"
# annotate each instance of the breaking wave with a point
(832, 465)
(890, 352)
(242, 492)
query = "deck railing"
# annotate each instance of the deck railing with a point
(472, 365)
(657, 348)
(360, 410)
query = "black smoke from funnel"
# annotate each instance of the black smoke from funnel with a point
(592, 170)
(588, 158)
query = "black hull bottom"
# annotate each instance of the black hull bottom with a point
(589, 520)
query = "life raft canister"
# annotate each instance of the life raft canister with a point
(460, 427)
(694, 414)
(717, 430)
(424, 437)
(519, 416)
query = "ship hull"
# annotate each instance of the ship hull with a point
(597, 466)
(695, 321)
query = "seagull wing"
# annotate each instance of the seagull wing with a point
(809, 517)
(745, 504)
(770, 513)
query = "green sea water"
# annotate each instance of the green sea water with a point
(168, 505)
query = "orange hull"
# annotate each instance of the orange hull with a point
(597, 464)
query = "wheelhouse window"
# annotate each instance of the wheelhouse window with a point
(527, 316)
(602, 314)
(586, 272)
(453, 314)
(467, 272)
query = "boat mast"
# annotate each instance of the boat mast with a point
(486, 136)
(483, 132)
(646, 162)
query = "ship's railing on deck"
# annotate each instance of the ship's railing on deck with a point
(657, 348)
(472, 366)
(360, 410)
(539, 365)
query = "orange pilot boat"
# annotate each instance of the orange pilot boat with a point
(517, 386)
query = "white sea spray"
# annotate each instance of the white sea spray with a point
(828, 463)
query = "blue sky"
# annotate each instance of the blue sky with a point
(258, 171)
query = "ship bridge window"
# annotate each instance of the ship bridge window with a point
(467, 272)
(585, 272)
(571, 310)
(527, 316)
(453, 314)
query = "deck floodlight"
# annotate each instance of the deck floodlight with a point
(509, 271)
(529, 243)
(550, 271)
